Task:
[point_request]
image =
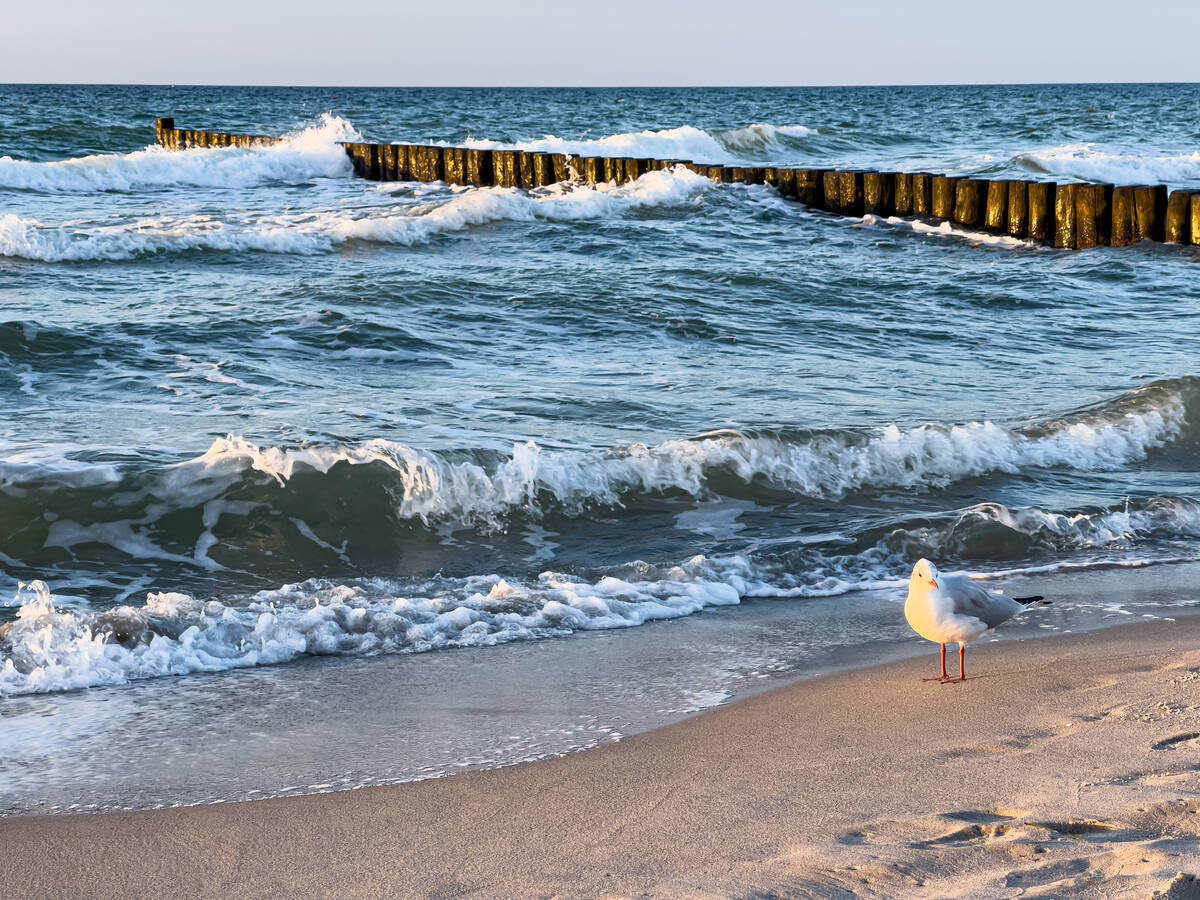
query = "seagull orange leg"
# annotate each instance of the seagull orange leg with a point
(943, 676)
(962, 662)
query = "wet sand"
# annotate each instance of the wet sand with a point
(1064, 766)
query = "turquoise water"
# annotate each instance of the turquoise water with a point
(253, 409)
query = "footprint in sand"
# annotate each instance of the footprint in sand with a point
(1173, 743)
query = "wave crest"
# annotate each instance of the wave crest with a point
(304, 155)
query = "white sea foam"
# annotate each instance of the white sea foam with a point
(946, 229)
(304, 156)
(49, 649)
(52, 646)
(314, 232)
(1115, 164)
(823, 465)
(685, 142)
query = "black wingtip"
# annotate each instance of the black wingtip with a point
(1028, 600)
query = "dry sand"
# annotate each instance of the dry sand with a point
(1066, 766)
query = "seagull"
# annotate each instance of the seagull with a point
(953, 609)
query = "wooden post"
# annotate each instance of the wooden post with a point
(1041, 205)
(403, 162)
(1195, 218)
(879, 193)
(716, 174)
(388, 158)
(504, 168)
(1179, 218)
(852, 193)
(1122, 216)
(610, 169)
(1064, 215)
(831, 191)
(1150, 212)
(995, 217)
(922, 194)
(543, 169)
(785, 183)
(478, 165)
(525, 179)
(754, 175)
(810, 187)
(1016, 217)
(161, 126)
(1093, 215)
(943, 196)
(970, 201)
(431, 158)
(454, 165)
(903, 193)
(561, 171)
(771, 177)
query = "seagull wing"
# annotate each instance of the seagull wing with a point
(969, 599)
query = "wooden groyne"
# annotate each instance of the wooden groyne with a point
(1075, 216)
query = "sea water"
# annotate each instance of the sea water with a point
(255, 412)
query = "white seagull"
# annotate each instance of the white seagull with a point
(953, 609)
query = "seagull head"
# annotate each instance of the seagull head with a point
(924, 575)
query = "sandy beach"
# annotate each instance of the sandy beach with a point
(1064, 766)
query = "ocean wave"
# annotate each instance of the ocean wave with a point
(314, 232)
(183, 511)
(758, 142)
(1113, 164)
(303, 156)
(53, 647)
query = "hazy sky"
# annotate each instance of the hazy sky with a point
(652, 42)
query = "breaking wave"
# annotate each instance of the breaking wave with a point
(313, 232)
(303, 156)
(53, 647)
(379, 487)
(1106, 163)
(759, 142)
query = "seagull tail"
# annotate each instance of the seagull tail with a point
(1030, 601)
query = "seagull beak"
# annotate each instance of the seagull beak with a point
(933, 583)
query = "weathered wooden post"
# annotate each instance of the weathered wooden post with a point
(388, 163)
(995, 216)
(810, 187)
(161, 126)
(504, 168)
(1195, 218)
(852, 193)
(1093, 215)
(543, 170)
(525, 174)
(1150, 212)
(943, 196)
(1122, 226)
(831, 191)
(970, 201)
(754, 175)
(879, 193)
(1016, 219)
(922, 193)
(1064, 215)
(716, 174)
(454, 165)
(903, 193)
(1178, 228)
(562, 172)
(1042, 202)
(785, 183)
(479, 167)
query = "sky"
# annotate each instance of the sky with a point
(616, 42)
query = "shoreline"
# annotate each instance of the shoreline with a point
(326, 724)
(1061, 763)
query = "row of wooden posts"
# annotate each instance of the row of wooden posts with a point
(1069, 216)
